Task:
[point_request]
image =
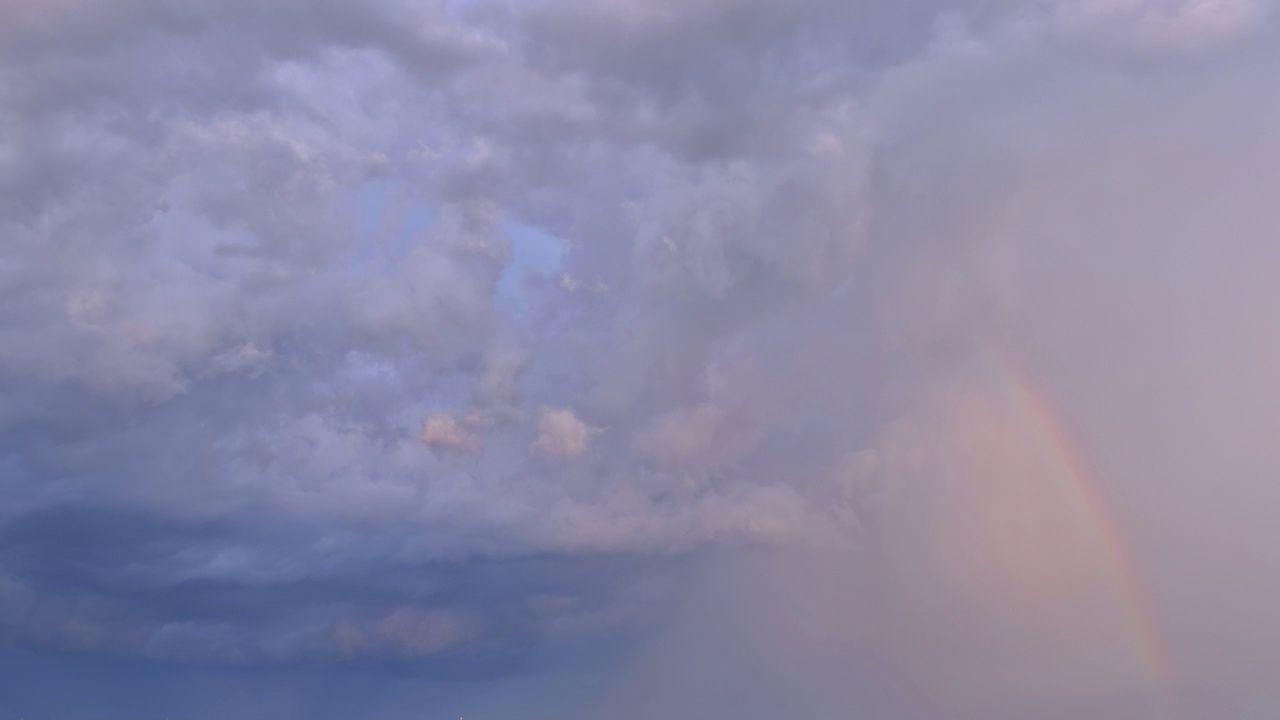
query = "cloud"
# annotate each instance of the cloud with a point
(406, 631)
(1162, 24)
(270, 392)
(443, 431)
(561, 434)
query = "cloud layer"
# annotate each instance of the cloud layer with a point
(336, 331)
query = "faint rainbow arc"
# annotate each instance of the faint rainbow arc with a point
(1037, 413)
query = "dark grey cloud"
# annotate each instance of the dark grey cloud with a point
(489, 337)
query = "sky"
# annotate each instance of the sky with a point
(639, 359)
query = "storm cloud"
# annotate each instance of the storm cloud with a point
(668, 347)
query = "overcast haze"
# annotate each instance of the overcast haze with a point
(639, 359)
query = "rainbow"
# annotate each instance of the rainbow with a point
(1047, 434)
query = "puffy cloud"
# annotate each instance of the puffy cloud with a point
(561, 434)
(443, 431)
